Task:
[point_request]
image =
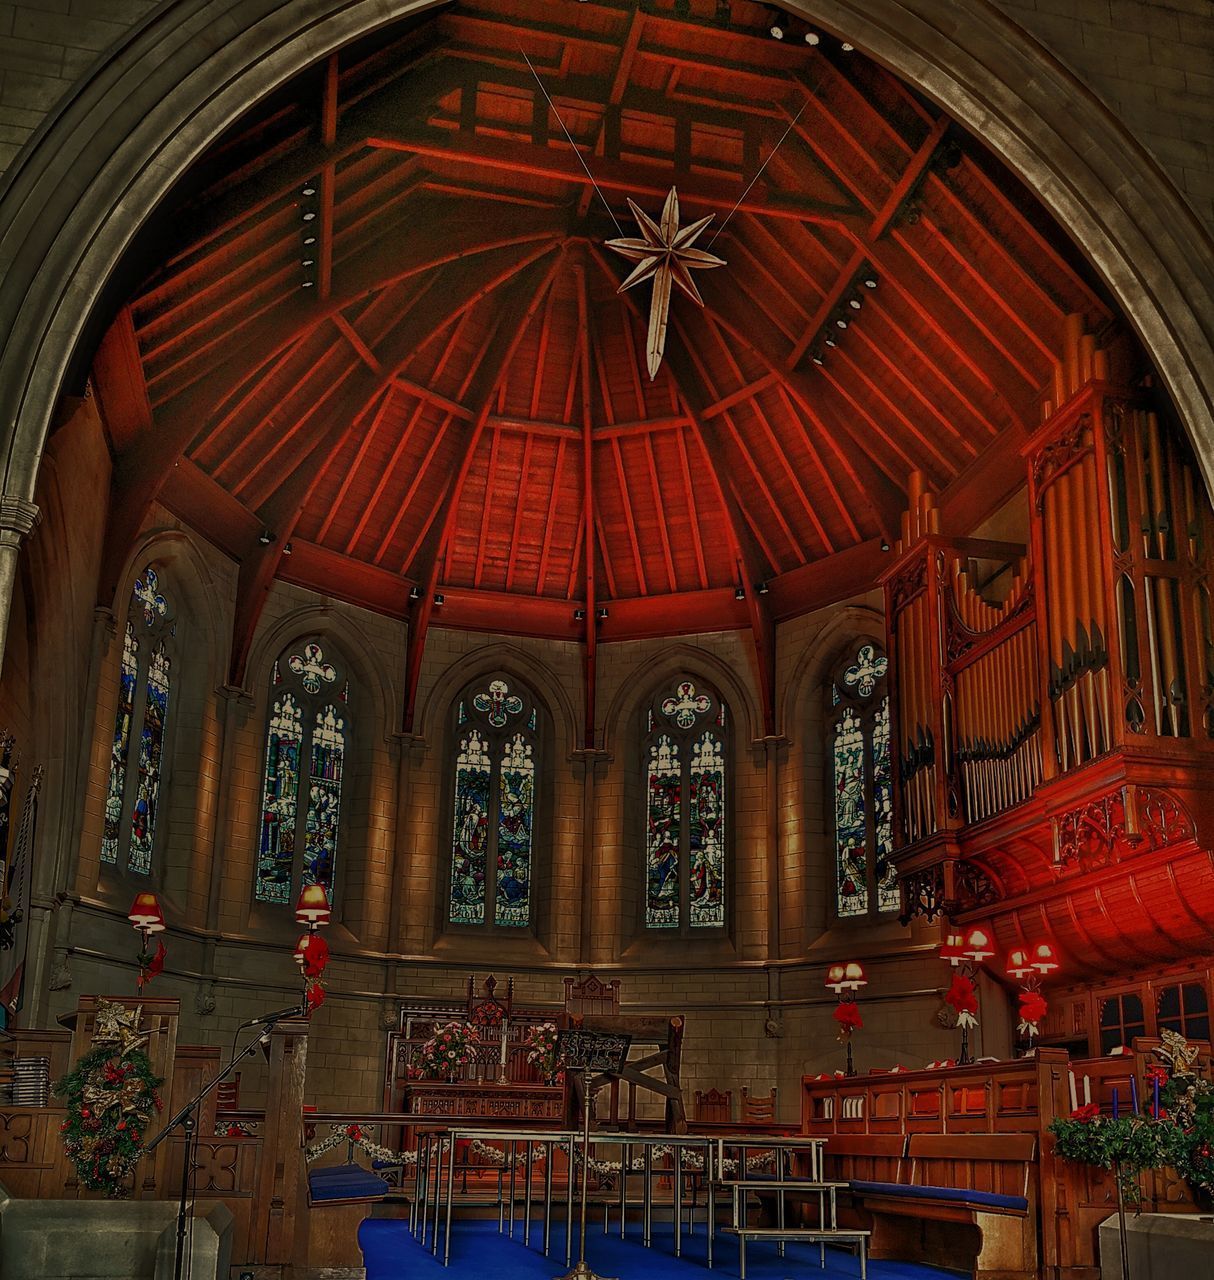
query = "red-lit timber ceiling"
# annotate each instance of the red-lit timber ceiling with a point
(458, 399)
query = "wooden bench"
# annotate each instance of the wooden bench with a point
(338, 1196)
(958, 1199)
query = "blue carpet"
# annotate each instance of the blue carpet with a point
(477, 1250)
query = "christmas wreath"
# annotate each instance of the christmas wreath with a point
(111, 1097)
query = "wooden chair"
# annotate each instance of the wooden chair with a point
(713, 1107)
(592, 995)
(758, 1110)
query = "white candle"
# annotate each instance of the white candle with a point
(1087, 1091)
(1070, 1077)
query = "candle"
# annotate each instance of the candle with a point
(1156, 1097)
(1115, 1100)
(1134, 1093)
(1087, 1090)
(1070, 1078)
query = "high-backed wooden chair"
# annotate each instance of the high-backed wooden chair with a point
(592, 995)
(714, 1106)
(758, 1110)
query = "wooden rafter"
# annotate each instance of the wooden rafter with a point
(519, 306)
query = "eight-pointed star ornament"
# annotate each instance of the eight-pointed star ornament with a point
(666, 254)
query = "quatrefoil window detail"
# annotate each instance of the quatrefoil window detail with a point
(863, 674)
(311, 667)
(498, 703)
(686, 706)
(147, 593)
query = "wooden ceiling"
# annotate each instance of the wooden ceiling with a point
(384, 331)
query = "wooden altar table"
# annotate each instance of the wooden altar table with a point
(533, 1103)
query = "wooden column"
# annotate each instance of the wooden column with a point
(279, 1234)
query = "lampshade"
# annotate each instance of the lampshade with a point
(846, 976)
(978, 945)
(301, 948)
(145, 913)
(951, 949)
(313, 905)
(1045, 958)
(1019, 965)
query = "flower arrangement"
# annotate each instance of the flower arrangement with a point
(964, 1000)
(847, 1015)
(1188, 1100)
(446, 1053)
(1033, 1009)
(111, 1097)
(540, 1044)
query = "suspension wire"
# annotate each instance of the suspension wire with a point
(569, 137)
(791, 125)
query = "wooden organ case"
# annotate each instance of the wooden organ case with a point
(1055, 749)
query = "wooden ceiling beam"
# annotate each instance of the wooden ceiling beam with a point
(557, 164)
(514, 315)
(582, 372)
(696, 394)
(440, 235)
(884, 216)
(736, 314)
(282, 510)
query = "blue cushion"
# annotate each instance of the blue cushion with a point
(345, 1182)
(957, 1195)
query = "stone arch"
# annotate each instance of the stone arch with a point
(193, 582)
(536, 674)
(819, 656)
(677, 659)
(76, 197)
(368, 669)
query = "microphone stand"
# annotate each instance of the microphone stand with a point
(187, 1121)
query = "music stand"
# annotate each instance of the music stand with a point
(588, 1052)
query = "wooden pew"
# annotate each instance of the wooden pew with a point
(960, 1199)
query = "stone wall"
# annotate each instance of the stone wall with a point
(757, 1012)
(1150, 61)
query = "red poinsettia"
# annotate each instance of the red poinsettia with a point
(1032, 1007)
(961, 995)
(315, 996)
(1156, 1072)
(315, 956)
(1089, 1111)
(847, 1015)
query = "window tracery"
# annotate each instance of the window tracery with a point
(307, 738)
(861, 795)
(686, 782)
(137, 748)
(494, 786)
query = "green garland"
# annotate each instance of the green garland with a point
(111, 1097)
(1130, 1144)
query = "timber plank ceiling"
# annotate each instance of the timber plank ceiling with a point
(384, 329)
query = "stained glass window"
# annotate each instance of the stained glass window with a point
(493, 813)
(686, 784)
(306, 740)
(861, 799)
(136, 774)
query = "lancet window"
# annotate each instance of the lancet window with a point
(860, 801)
(495, 772)
(307, 739)
(137, 749)
(686, 759)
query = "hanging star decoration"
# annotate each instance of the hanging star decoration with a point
(665, 254)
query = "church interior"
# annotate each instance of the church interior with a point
(608, 647)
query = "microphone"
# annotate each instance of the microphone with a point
(295, 1011)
